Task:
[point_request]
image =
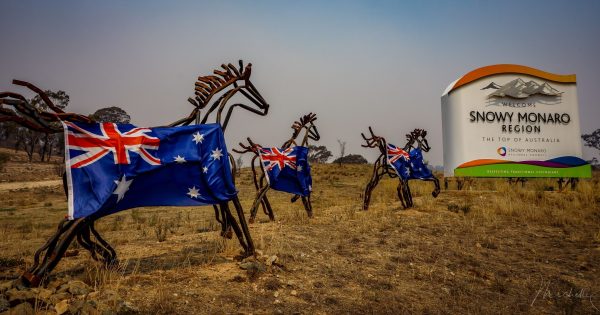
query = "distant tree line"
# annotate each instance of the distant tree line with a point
(45, 145)
(592, 140)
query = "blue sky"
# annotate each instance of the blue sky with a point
(354, 63)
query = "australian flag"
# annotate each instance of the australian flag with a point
(399, 160)
(287, 169)
(417, 165)
(113, 167)
(408, 165)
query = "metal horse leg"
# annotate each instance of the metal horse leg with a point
(266, 204)
(371, 185)
(307, 206)
(245, 229)
(54, 251)
(400, 191)
(257, 201)
(436, 182)
(407, 194)
(228, 216)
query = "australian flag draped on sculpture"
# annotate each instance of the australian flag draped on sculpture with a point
(408, 165)
(287, 169)
(113, 167)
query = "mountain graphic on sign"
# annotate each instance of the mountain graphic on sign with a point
(491, 86)
(520, 89)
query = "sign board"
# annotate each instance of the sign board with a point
(512, 121)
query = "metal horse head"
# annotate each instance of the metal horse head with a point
(374, 141)
(207, 87)
(419, 136)
(306, 123)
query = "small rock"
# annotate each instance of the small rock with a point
(477, 245)
(62, 307)
(175, 294)
(76, 288)
(44, 294)
(5, 286)
(276, 294)
(127, 308)
(17, 297)
(109, 295)
(22, 309)
(4, 305)
(294, 292)
(89, 307)
(57, 297)
(55, 284)
(76, 307)
(271, 260)
(93, 295)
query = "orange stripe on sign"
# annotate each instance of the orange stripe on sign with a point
(508, 68)
(482, 162)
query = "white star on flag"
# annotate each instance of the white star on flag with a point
(216, 154)
(299, 168)
(179, 159)
(205, 169)
(198, 137)
(122, 187)
(193, 192)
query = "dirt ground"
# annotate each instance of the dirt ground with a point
(492, 248)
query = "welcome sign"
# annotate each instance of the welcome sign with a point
(512, 121)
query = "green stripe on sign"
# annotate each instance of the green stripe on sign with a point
(523, 170)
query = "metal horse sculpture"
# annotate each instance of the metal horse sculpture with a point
(306, 123)
(229, 80)
(416, 143)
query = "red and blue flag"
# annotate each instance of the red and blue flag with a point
(287, 169)
(113, 167)
(408, 165)
(399, 160)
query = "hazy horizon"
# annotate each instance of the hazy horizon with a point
(353, 63)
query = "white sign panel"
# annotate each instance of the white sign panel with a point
(512, 121)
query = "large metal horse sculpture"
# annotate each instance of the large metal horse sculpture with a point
(227, 81)
(306, 123)
(410, 157)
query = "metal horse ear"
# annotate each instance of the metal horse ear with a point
(381, 167)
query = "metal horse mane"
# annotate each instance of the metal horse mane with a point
(306, 123)
(381, 166)
(20, 111)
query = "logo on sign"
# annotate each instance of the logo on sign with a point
(501, 151)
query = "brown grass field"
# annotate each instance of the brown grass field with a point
(492, 249)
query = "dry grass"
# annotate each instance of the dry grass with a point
(490, 249)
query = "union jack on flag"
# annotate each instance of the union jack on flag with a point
(110, 140)
(394, 153)
(272, 157)
(113, 167)
(287, 170)
(398, 159)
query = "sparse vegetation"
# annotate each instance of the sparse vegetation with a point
(496, 244)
